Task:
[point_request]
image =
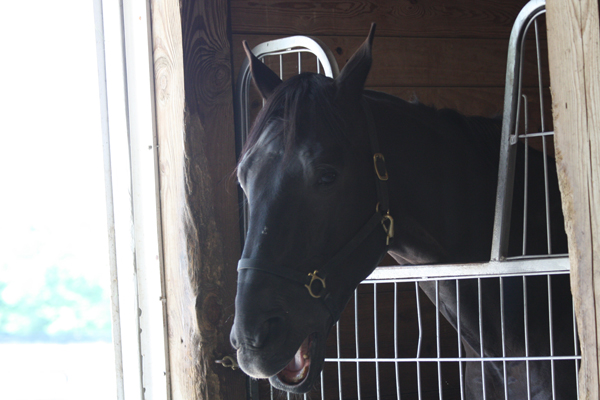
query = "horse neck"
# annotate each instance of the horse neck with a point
(443, 174)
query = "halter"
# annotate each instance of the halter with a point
(315, 282)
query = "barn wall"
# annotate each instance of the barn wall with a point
(445, 55)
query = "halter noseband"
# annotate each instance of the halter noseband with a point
(318, 277)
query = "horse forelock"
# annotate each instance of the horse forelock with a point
(300, 109)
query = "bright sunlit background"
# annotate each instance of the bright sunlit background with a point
(55, 326)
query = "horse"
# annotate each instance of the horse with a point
(336, 176)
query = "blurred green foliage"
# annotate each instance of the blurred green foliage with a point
(66, 308)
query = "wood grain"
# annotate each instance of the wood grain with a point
(574, 34)
(199, 201)
(168, 87)
(413, 18)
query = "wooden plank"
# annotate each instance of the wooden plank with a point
(573, 34)
(428, 18)
(420, 62)
(199, 201)
(168, 73)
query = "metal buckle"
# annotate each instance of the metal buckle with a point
(228, 362)
(378, 157)
(389, 229)
(313, 277)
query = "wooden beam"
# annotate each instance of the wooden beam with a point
(574, 51)
(433, 18)
(200, 230)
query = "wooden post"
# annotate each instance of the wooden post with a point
(198, 196)
(574, 56)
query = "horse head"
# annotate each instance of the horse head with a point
(316, 223)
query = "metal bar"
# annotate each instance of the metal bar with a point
(547, 196)
(526, 177)
(576, 350)
(322, 386)
(540, 90)
(281, 66)
(511, 107)
(551, 333)
(452, 359)
(538, 134)
(437, 337)
(339, 365)
(294, 44)
(481, 353)
(501, 283)
(460, 364)
(376, 339)
(510, 267)
(356, 342)
(526, 328)
(539, 70)
(419, 341)
(396, 339)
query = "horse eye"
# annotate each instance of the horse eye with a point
(327, 178)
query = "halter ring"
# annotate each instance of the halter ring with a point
(379, 162)
(389, 229)
(313, 277)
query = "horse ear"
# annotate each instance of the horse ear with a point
(351, 81)
(264, 78)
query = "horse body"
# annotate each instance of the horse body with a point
(308, 174)
(443, 177)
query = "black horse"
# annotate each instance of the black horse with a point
(337, 176)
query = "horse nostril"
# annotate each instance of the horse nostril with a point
(233, 339)
(269, 329)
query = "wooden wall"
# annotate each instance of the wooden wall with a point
(447, 54)
(200, 231)
(574, 35)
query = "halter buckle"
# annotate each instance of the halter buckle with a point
(380, 169)
(313, 277)
(389, 228)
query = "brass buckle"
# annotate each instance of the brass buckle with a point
(313, 277)
(389, 229)
(379, 157)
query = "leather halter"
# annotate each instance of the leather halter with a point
(380, 217)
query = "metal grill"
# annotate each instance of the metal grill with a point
(392, 342)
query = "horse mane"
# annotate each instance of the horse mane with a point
(287, 108)
(313, 94)
(483, 132)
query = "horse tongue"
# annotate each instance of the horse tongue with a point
(297, 369)
(297, 362)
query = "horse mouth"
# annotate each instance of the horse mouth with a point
(296, 372)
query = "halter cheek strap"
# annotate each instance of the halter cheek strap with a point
(315, 282)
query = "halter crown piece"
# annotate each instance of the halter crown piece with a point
(315, 282)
